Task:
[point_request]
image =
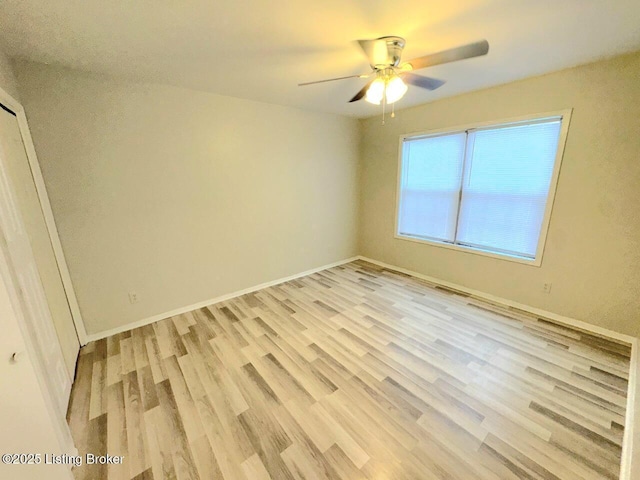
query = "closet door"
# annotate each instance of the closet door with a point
(17, 175)
(29, 421)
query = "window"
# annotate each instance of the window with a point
(486, 189)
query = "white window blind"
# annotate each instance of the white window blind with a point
(484, 188)
(430, 191)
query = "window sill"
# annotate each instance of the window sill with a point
(534, 262)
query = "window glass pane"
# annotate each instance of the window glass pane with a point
(505, 187)
(430, 186)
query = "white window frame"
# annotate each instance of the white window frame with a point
(565, 118)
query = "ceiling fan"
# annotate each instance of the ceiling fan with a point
(391, 77)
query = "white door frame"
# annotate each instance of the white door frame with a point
(11, 103)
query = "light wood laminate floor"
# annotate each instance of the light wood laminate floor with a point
(355, 372)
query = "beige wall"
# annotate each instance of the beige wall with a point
(182, 196)
(592, 256)
(7, 78)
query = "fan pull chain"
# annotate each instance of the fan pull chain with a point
(384, 104)
(393, 110)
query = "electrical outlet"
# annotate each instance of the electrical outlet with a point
(133, 297)
(546, 288)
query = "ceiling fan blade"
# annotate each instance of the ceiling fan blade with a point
(364, 75)
(422, 82)
(375, 50)
(459, 53)
(361, 93)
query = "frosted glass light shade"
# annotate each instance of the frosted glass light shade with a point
(375, 91)
(395, 90)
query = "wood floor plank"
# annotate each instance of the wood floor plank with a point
(205, 460)
(254, 468)
(98, 403)
(117, 443)
(135, 428)
(158, 441)
(356, 372)
(176, 436)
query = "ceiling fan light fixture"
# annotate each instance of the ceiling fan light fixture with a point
(395, 90)
(392, 76)
(375, 92)
(389, 87)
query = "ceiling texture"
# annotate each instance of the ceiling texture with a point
(261, 49)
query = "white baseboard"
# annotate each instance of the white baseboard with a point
(572, 322)
(633, 395)
(146, 321)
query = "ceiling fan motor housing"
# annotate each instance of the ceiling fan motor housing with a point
(394, 52)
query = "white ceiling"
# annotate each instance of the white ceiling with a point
(261, 49)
